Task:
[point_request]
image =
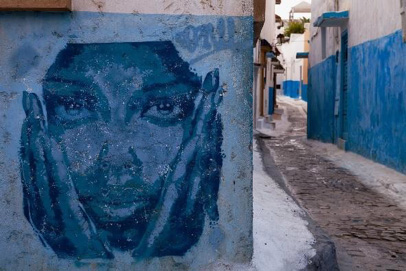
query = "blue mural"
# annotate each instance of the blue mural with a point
(122, 152)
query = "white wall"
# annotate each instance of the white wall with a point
(372, 19)
(288, 57)
(204, 7)
(279, 81)
(332, 34)
(368, 20)
(268, 30)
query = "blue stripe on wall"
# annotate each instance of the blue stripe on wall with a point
(304, 92)
(270, 102)
(321, 95)
(377, 101)
(291, 88)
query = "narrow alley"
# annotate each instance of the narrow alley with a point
(368, 229)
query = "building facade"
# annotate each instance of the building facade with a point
(357, 87)
(266, 69)
(125, 134)
(295, 75)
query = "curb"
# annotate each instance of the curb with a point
(325, 258)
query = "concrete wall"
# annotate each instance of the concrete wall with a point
(125, 135)
(376, 82)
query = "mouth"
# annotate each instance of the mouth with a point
(124, 210)
(108, 210)
(118, 204)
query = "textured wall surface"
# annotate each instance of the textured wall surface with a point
(377, 98)
(321, 97)
(374, 22)
(125, 138)
(376, 87)
(304, 92)
(291, 88)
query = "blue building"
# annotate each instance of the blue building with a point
(357, 82)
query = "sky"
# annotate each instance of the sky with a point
(286, 5)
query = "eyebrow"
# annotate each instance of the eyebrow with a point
(156, 86)
(66, 81)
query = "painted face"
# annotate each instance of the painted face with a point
(120, 112)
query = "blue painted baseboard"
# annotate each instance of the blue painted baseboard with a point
(291, 88)
(376, 101)
(270, 101)
(304, 92)
(320, 98)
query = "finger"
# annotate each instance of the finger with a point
(173, 181)
(211, 82)
(33, 170)
(50, 201)
(82, 232)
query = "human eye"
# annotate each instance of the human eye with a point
(166, 110)
(74, 110)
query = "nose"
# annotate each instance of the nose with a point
(119, 162)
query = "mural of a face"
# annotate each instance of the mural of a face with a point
(127, 155)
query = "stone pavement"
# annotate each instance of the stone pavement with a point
(369, 230)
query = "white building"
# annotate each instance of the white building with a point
(266, 68)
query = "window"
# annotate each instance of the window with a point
(28, 5)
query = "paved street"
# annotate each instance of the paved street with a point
(369, 230)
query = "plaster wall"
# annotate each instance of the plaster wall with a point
(371, 20)
(368, 20)
(376, 110)
(332, 41)
(124, 136)
(291, 64)
(268, 30)
(320, 98)
(375, 81)
(184, 7)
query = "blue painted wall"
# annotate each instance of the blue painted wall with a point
(112, 149)
(291, 88)
(270, 101)
(377, 101)
(304, 92)
(321, 96)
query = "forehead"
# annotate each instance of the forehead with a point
(146, 64)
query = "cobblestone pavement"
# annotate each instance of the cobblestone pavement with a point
(369, 230)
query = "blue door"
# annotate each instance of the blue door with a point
(344, 86)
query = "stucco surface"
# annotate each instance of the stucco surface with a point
(321, 97)
(368, 20)
(34, 54)
(204, 7)
(376, 101)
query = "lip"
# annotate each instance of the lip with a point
(115, 199)
(124, 210)
(116, 211)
